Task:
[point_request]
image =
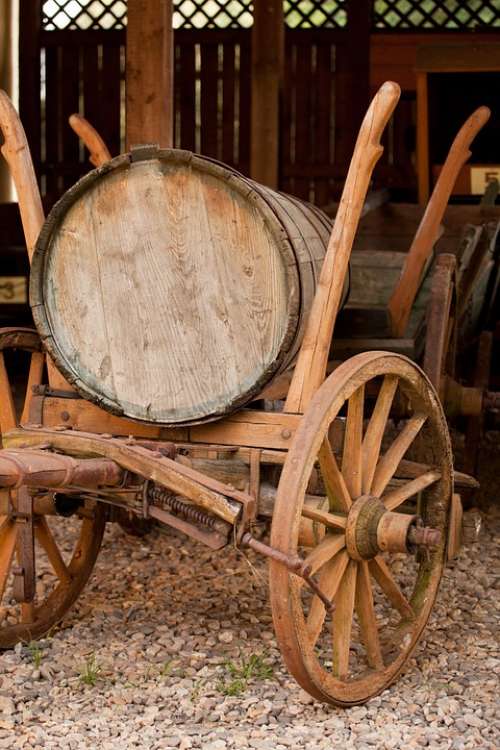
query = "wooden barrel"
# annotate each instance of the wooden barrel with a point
(170, 289)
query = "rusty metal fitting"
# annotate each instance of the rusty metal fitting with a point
(424, 536)
(294, 563)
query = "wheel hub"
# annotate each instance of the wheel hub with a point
(372, 529)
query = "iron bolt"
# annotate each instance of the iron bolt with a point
(424, 535)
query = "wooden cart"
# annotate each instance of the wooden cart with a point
(421, 283)
(354, 569)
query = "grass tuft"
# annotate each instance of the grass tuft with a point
(90, 671)
(36, 653)
(237, 676)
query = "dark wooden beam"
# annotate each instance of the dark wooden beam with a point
(149, 72)
(30, 20)
(352, 78)
(268, 39)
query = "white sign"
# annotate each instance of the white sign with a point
(13, 290)
(480, 176)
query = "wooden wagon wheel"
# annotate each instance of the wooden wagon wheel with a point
(64, 553)
(350, 654)
(62, 561)
(23, 339)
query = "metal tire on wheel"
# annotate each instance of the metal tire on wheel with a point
(347, 655)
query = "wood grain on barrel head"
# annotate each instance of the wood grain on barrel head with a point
(168, 293)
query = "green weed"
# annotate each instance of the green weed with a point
(90, 671)
(36, 653)
(237, 677)
(196, 690)
(166, 668)
(171, 668)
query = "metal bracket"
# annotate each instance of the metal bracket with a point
(46, 390)
(143, 151)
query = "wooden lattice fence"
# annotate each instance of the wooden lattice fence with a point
(79, 48)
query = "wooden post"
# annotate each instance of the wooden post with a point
(352, 79)
(6, 84)
(268, 49)
(30, 19)
(149, 73)
(422, 138)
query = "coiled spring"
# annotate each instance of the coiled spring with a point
(163, 498)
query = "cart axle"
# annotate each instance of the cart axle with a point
(424, 536)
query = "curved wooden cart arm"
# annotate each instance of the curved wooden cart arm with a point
(403, 297)
(17, 154)
(313, 357)
(16, 151)
(99, 152)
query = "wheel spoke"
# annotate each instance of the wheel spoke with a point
(336, 489)
(328, 582)
(390, 460)
(332, 520)
(393, 499)
(7, 409)
(352, 455)
(44, 535)
(367, 618)
(35, 375)
(324, 552)
(27, 612)
(383, 576)
(372, 441)
(8, 537)
(342, 621)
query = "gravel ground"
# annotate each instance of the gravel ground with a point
(171, 646)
